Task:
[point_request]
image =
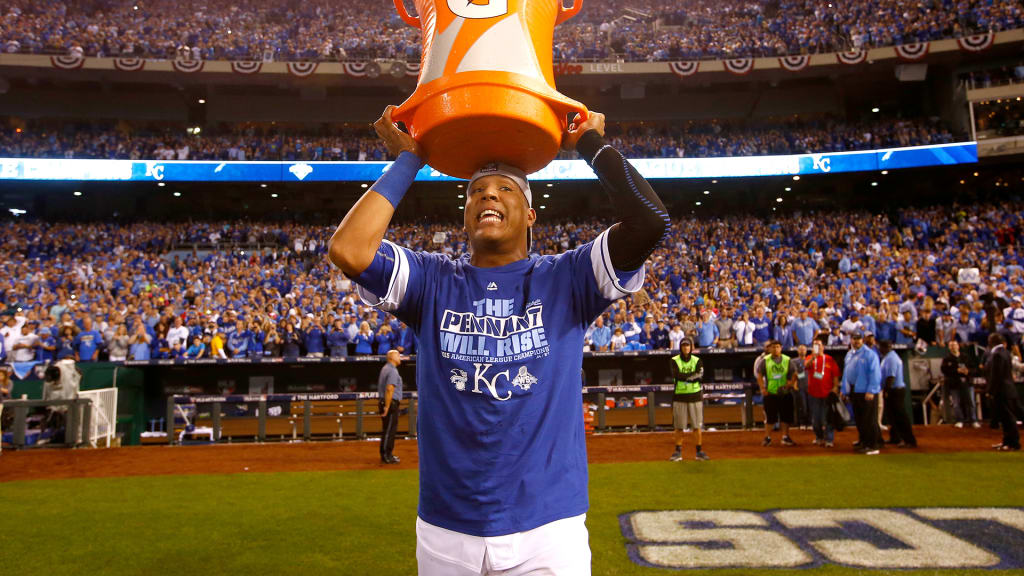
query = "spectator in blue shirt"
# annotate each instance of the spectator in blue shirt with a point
(66, 343)
(707, 331)
(255, 349)
(337, 340)
(901, 431)
(804, 329)
(862, 381)
(313, 339)
(385, 339)
(601, 336)
(784, 332)
(762, 327)
(238, 340)
(138, 347)
(364, 340)
(47, 351)
(906, 329)
(88, 342)
(406, 341)
(196, 350)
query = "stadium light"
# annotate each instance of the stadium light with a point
(364, 185)
(875, 110)
(874, 183)
(77, 193)
(202, 101)
(462, 207)
(460, 186)
(551, 185)
(263, 185)
(706, 192)
(547, 195)
(779, 199)
(161, 184)
(461, 196)
(543, 207)
(17, 211)
(177, 194)
(274, 195)
(697, 203)
(788, 189)
(885, 172)
(796, 177)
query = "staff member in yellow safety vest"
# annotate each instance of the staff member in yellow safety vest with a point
(776, 377)
(688, 399)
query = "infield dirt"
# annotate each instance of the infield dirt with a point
(363, 455)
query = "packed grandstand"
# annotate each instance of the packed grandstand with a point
(241, 289)
(626, 30)
(638, 140)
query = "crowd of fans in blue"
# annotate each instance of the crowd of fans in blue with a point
(631, 30)
(638, 140)
(106, 291)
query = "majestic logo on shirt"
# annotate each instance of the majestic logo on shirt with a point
(524, 379)
(492, 286)
(459, 378)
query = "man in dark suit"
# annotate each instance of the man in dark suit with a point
(998, 373)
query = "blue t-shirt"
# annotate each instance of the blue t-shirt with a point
(502, 447)
(893, 366)
(87, 343)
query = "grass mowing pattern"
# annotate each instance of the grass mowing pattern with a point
(362, 522)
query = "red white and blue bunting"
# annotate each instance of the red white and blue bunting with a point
(67, 62)
(302, 69)
(912, 52)
(188, 66)
(684, 69)
(129, 64)
(739, 66)
(243, 67)
(977, 42)
(355, 69)
(795, 63)
(412, 69)
(852, 57)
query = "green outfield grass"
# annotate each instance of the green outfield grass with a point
(362, 522)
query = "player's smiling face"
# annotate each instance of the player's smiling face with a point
(497, 215)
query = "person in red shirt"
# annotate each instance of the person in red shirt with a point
(822, 380)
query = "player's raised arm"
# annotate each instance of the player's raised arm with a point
(356, 240)
(645, 221)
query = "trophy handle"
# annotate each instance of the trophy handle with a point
(414, 22)
(563, 12)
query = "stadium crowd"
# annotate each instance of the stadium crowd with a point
(633, 30)
(689, 140)
(108, 291)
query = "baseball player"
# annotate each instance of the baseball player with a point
(503, 465)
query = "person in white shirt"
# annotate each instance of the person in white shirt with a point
(23, 346)
(849, 326)
(675, 335)
(744, 330)
(618, 340)
(178, 334)
(1014, 316)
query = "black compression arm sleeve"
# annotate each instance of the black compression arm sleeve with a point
(645, 221)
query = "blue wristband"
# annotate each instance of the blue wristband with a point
(396, 181)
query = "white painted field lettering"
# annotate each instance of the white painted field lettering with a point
(928, 547)
(674, 540)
